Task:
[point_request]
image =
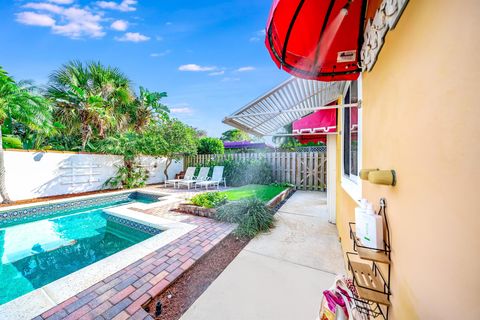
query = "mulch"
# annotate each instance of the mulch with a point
(182, 293)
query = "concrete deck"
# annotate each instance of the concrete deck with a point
(281, 274)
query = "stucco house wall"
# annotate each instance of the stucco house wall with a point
(421, 117)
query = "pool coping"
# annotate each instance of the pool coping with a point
(42, 299)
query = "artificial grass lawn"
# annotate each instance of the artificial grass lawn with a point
(262, 192)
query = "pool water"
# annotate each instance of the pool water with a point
(38, 252)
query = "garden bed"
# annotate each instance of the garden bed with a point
(271, 194)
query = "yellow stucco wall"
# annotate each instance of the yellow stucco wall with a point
(421, 117)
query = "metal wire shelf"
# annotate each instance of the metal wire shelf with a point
(372, 286)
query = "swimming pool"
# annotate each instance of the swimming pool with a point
(41, 244)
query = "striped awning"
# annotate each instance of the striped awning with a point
(290, 101)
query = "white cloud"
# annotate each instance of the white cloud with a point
(125, 5)
(62, 1)
(119, 25)
(160, 54)
(195, 68)
(245, 69)
(79, 23)
(42, 6)
(35, 19)
(133, 37)
(73, 22)
(182, 110)
(218, 73)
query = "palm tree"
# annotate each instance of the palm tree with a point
(147, 108)
(24, 106)
(88, 98)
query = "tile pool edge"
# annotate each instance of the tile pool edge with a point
(42, 299)
(165, 196)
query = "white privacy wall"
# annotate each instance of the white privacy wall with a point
(40, 174)
(156, 166)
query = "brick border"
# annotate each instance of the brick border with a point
(285, 194)
(122, 295)
(196, 210)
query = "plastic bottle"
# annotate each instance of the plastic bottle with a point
(359, 212)
(371, 226)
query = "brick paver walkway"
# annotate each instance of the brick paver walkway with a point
(121, 295)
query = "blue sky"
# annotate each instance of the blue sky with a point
(208, 55)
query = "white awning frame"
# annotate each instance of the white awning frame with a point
(290, 101)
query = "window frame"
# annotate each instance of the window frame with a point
(351, 183)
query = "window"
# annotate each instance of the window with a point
(351, 141)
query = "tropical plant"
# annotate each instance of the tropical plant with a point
(251, 214)
(209, 199)
(12, 142)
(21, 105)
(209, 145)
(88, 97)
(147, 109)
(173, 140)
(129, 145)
(129, 177)
(235, 135)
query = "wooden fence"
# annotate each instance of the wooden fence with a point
(305, 170)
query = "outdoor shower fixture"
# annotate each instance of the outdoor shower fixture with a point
(364, 173)
(377, 176)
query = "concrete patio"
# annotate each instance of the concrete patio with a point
(279, 275)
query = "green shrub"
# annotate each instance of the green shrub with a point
(12, 142)
(252, 216)
(208, 145)
(209, 199)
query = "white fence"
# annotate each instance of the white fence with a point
(39, 174)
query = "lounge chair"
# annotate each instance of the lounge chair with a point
(189, 174)
(202, 176)
(217, 178)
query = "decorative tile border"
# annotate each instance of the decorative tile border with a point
(45, 210)
(133, 224)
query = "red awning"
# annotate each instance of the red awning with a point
(317, 39)
(321, 122)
